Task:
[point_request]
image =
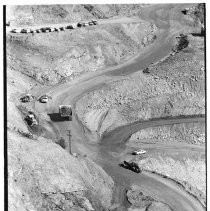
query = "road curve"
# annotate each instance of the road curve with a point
(170, 22)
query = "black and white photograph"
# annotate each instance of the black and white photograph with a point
(105, 106)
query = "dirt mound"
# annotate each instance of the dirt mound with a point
(192, 133)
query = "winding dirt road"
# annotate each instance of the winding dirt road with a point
(170, 22)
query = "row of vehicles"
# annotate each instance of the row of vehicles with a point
(65, 111)
(52, 29)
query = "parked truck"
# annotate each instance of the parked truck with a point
(65, 111)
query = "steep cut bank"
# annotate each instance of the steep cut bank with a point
(85, 175)
(191, 133)
(61, 56)
(42, 175)
(172, 87)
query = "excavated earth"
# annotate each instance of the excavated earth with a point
(44, 176)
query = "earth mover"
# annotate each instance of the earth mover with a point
(27, 98)
(131, 166)
(65, 111)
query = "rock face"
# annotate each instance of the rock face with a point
(43, 176)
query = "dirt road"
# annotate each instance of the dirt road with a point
(65, 24)
(170, 22)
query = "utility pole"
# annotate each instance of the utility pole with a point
(69, 135)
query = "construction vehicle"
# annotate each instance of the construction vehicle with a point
(15, 30)
(86, 24)
(80, 24)
(90, 23)
(26, 98)
(65, 111)
(25, 31)
(131, 166)
(31, 119)
(69, 27)
(95, 22)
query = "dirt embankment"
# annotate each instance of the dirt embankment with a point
(187, 171)
(59, 56)
(173, 87)
(42, 14)
(191, 133)
(141, 201)
(42, 175)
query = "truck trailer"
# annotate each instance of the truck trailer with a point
(65, 111)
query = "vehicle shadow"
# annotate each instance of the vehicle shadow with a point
(56, 117)
(197, 34)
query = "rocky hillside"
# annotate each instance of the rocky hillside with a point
(172, 87)
(43, 14)
(42, 175)
(192, 133)
(55, 57)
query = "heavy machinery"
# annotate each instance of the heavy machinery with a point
(95, 22)
(131, 166)
(80, 24)
(26, 98)
(65, 111)
(31, 119)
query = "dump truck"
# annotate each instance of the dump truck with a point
(65, 111)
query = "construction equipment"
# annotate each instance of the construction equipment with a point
(131, 166)
(66, 111)
(31, 119)
(80, 24)
(27, 98)
(95, 22)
